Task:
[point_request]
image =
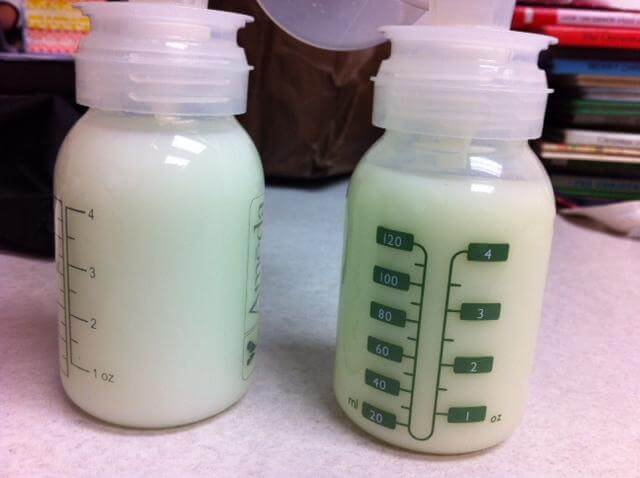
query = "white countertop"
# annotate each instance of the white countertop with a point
(583, 415)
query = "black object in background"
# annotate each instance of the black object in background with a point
(37, 109)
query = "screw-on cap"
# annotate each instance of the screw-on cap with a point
(472, 82)
(460, 72)
(162, 57)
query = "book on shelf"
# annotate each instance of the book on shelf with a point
(535, 18)
(601, 4)
(592, 37)
(587, 114)
(595, 187)
(573, 136)
(630, 155)
(594, 81)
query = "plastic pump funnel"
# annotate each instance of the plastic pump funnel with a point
(340, 24)
(355, 24)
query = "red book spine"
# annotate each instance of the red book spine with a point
(588, 37)
(535, 18)
(601, 4)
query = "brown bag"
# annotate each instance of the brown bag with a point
(309, 110)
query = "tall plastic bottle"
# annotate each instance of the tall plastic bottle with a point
(449, 225)
(448, 230)
(158, 207)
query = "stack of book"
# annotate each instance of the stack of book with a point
(591, 143)
(54, 26)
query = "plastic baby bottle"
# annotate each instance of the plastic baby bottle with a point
(448, 230)
(158, 208)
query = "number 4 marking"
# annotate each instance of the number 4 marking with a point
(488, 254)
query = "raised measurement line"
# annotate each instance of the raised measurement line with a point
(79, 367)
(76, 267)
(78, 318)
(62, 260)
(444, 331)
(76, 210)
(67, 286)
(71, 237)
(417, 341)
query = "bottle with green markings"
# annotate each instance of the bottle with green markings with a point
(449, 225)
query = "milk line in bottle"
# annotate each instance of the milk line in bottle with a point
(158, 210)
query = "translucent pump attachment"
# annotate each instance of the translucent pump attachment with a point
(170, 57)
(339, 24)
(354, 24)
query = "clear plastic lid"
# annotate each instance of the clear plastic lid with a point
(170, 57)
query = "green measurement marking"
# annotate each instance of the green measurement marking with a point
(378, 416)
(384, 349)
(395, 239)
(473, 364)
(466, 414)
(484, 252)
(381, 382)
(480, 311)
(387, 314)
(389, 278)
